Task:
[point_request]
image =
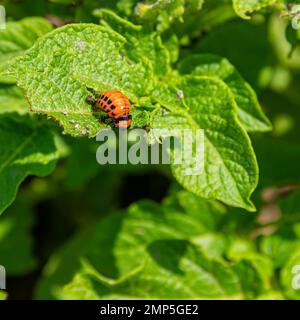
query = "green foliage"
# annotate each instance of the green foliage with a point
(27, 148)
(3, 295)
(15, 227)
(151, 9)
(227, 176)
(216, 65)
(189, 273)
(128, 252)
(253, 44)
(18, 37)
(140, 42)
(249, 110)
(59, 85)
(287, 275)
(130, 255)
(245, 7)
(12, 99)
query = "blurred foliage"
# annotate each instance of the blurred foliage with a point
(124, 231)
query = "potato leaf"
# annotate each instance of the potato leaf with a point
(140, 42)
(3, 295)
(15, 236)
(174, 269)
(246, 7)
(19, 36)
(26, 148)
(249, 110)
(141, 248)
(60, 68)
(230, 169)
(12, 99)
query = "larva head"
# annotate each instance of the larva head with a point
(123, 122)
(91, 100)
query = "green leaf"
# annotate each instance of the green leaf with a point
(26, 148)
(240, 248)
(279, 247)
(271, 295)
(15, 237)
(138, 249)
(124, 230)
(151, 9)
(289, 277)
(246, 7)
(230, 168)
(209, 213)
(171, 42)
(57, 72)
(163, 14)
(292, 37)
(189, 273)
(3, 295)
(243, 250)
(283, 244)
(61, 267)
(17, 38)
(140, 42)
(212, 14)
(84, 10)
(81, 165)
(249, 110)
(255, 271)
(104, 245)
(253, 43)
(281, 44)
(12, 99)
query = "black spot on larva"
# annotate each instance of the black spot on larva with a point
(109, 101)
(112, 107)
(105, 98)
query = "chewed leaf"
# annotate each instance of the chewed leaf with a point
(161, 13)
(58, 72)
(249, 110)
(151, 9)
(230, 169)
(245, 7)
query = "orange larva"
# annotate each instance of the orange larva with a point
(116, 105)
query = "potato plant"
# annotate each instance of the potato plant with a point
(71, 228)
